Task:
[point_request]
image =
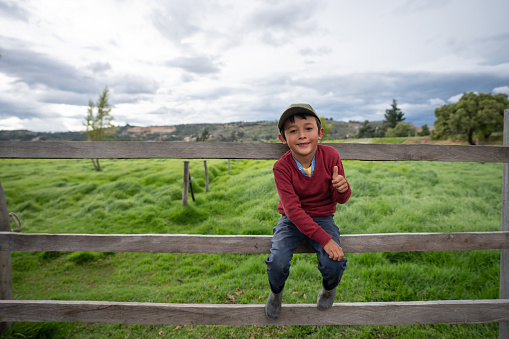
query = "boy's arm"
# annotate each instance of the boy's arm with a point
(293, 209)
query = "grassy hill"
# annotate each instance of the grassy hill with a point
(235, 131)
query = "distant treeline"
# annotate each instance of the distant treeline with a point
(261, 131)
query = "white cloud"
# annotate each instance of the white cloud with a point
(11, 123)
(503, 89)
(34, 124)
(436, 102)
(454, 99)
(201, 61)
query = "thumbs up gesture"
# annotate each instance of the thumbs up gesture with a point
(339, 181)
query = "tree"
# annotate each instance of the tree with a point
(442, 129)
(473, 116)
(204, 135)
(402, 129)
(393, 116)
(326, 128)
(99, 126)
(424, 130)
(366, 131)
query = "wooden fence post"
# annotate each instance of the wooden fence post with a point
(5, 257)
(503, 327)
(185, 188)
(206, 176)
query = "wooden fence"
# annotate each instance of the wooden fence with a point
(362, 313)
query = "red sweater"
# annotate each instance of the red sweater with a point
(302, 197)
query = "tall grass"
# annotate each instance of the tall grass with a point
(144, 196)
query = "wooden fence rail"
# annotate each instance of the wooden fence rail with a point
(395, 313)
(233, 150)
(248, 244)
(365, 313)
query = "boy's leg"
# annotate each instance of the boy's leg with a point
(331, 270)
(285, 240)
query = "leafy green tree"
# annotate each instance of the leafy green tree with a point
(99, 125)
(326, 128)
(204, 135)
(424, 130)
(473, 116)
(393, 115)
(402, 129)
(441, 124)
(366, 131)
(380, 131)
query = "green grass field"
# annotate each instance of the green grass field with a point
(144, 196)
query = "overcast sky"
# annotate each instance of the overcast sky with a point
(170, 62)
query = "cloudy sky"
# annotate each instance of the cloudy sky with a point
(170, 62)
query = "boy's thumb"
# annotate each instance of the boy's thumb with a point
(335, 172)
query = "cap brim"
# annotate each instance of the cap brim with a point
(293, 111)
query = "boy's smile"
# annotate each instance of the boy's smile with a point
(302, 137)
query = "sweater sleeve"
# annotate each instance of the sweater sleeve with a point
(293, 209)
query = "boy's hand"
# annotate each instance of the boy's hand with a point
(334, 251)
(339, 181)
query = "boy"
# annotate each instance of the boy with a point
(310, 182)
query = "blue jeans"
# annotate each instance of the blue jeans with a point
(287, 238)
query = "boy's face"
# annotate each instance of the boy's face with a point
(301, 136)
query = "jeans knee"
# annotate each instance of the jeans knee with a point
(334, 268)
(278, 263)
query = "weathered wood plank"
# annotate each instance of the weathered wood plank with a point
(5, 257)
(247, 244)
(368, 313)
(504, 254)
(408, 242)
(140, 150)
(234, 150)
(456, 153)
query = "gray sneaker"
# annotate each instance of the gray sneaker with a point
(273, 305)
(326, 298)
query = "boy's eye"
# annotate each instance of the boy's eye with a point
(292, 130)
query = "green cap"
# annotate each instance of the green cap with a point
(295, 109)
